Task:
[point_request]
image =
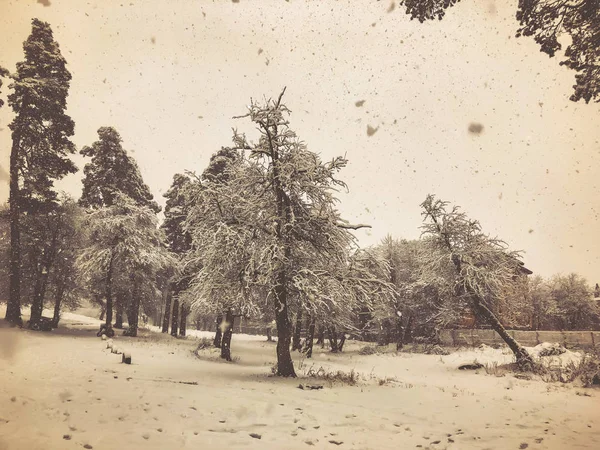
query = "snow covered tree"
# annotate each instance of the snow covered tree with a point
(112, 171)
(479, 266)
(40, 140)
(49, 244)
(575, 306)
(179, 243)
(548, 22)
(273, 229)
(542, 306)
(125, 251)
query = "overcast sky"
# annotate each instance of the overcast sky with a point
(170, 75)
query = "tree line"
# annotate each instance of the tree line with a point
(257, 234)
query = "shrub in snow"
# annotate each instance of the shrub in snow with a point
(548, 349)
(368, 350)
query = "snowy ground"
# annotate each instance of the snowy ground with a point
(65, 390)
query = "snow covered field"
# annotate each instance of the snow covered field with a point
(65, 390)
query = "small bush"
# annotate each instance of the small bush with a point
(368, 350)
(552, 350)
(204, 343)
(339, 376)
(494, 369)
(587, 370)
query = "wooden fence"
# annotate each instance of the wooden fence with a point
(473, 337)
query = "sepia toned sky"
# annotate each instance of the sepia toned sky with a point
(170, 75)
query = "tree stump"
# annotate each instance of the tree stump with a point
(126, 358)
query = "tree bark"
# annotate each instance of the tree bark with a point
(175, 316)
(227, 333)
(57, 302)
(285, 365)
(167, 316)
(341, 343)
(185, 310)
(308, 344)
(297, 331)
(13, 308)
(119, 306)
(399, 332)
(219, 333)
(333, 343)
(108, 293)
(524, 360)
(37, 304)
(133, 310)
(321, 335)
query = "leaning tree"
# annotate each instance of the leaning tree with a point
(273, 226)
(479, 266)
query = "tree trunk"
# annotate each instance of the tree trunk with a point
(133, 313)
(399, 332)
(108, 293)
(269, 337)
(175, 316)
(285, 365)
(333, 339)
(167, 316)
(119, 306)
(321, 337)
(13, 308)
(38, 303)
(185, 310)
(219, 332)
(227, 333)
(308, 344)
(197, 324)
(524, 360)
(297, 331)
(102, 313)
(342, 341)
(57, 302)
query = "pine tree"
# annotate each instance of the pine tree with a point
(40, 140)
(110, 172)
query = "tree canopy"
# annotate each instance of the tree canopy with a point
(548, 22)
(273, 228)
(112, 171)
(41, 132)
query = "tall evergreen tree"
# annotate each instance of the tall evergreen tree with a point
(179, 242)
(40, 140)
(112, 171)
